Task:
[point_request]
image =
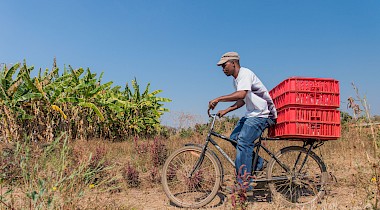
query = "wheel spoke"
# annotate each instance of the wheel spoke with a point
(194, 191)
(305, 181)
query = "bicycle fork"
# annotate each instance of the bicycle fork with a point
(199, 161)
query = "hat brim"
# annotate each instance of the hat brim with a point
(222, 61)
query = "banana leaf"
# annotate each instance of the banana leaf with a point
(29, 96)
(93, 107)
(9, 74)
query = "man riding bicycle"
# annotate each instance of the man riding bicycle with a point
(261, 112)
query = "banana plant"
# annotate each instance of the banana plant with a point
(147, 109)
(77, 94)
(86, 89)
(13, 92)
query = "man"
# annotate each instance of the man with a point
(260, 114)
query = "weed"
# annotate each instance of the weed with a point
(239, 199)
(171, 174)
(114, 184)
(140, 148)
(158, 153)
(131, 175)
(50, 177)
(98, 162)
(9, 166)
(98, 159)
(375, 140)
(154, 175)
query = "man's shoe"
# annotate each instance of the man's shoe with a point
(261, 172)
(265, 164)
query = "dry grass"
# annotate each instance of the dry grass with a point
(350, 161)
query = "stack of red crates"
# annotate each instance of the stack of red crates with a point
(306, 108)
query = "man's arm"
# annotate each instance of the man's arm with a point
(237, 105)
(235, 96)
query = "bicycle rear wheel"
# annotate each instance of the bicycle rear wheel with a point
(305, 181)
(191, 191)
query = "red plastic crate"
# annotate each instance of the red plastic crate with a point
(302, 114)
(303, 130)
(314, 99)
(306, 108)
(303, 84)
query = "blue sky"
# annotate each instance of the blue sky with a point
(174, 45)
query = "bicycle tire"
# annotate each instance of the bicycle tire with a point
(195, 191)
(301, 187)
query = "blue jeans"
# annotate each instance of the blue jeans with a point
(246, 132)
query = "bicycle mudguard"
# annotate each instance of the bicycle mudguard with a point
(318, 159)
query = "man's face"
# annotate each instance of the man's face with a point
(228, 68)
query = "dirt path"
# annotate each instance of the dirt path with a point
(347, 189)
(338, 197)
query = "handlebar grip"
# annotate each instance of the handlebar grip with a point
(212, 115)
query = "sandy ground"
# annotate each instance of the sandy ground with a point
(338, 196)
(155, 199)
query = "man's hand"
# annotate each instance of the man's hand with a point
(221, 113)
(212, 104)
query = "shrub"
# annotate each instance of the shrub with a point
(186, 132)
(158, 153)
(131, 175)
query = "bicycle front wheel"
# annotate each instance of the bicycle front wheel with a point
(186, 190)
(304, 180)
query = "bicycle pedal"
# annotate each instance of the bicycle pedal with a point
(260, 176)
(250, 193)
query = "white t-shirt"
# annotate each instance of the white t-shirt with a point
(258, 101)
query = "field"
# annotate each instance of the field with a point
(68, 141)
(99, 174)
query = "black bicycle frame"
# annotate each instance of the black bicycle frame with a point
(257, 146)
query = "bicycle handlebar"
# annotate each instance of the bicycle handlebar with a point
(212, 115)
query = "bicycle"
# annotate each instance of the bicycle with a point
(193, 174)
